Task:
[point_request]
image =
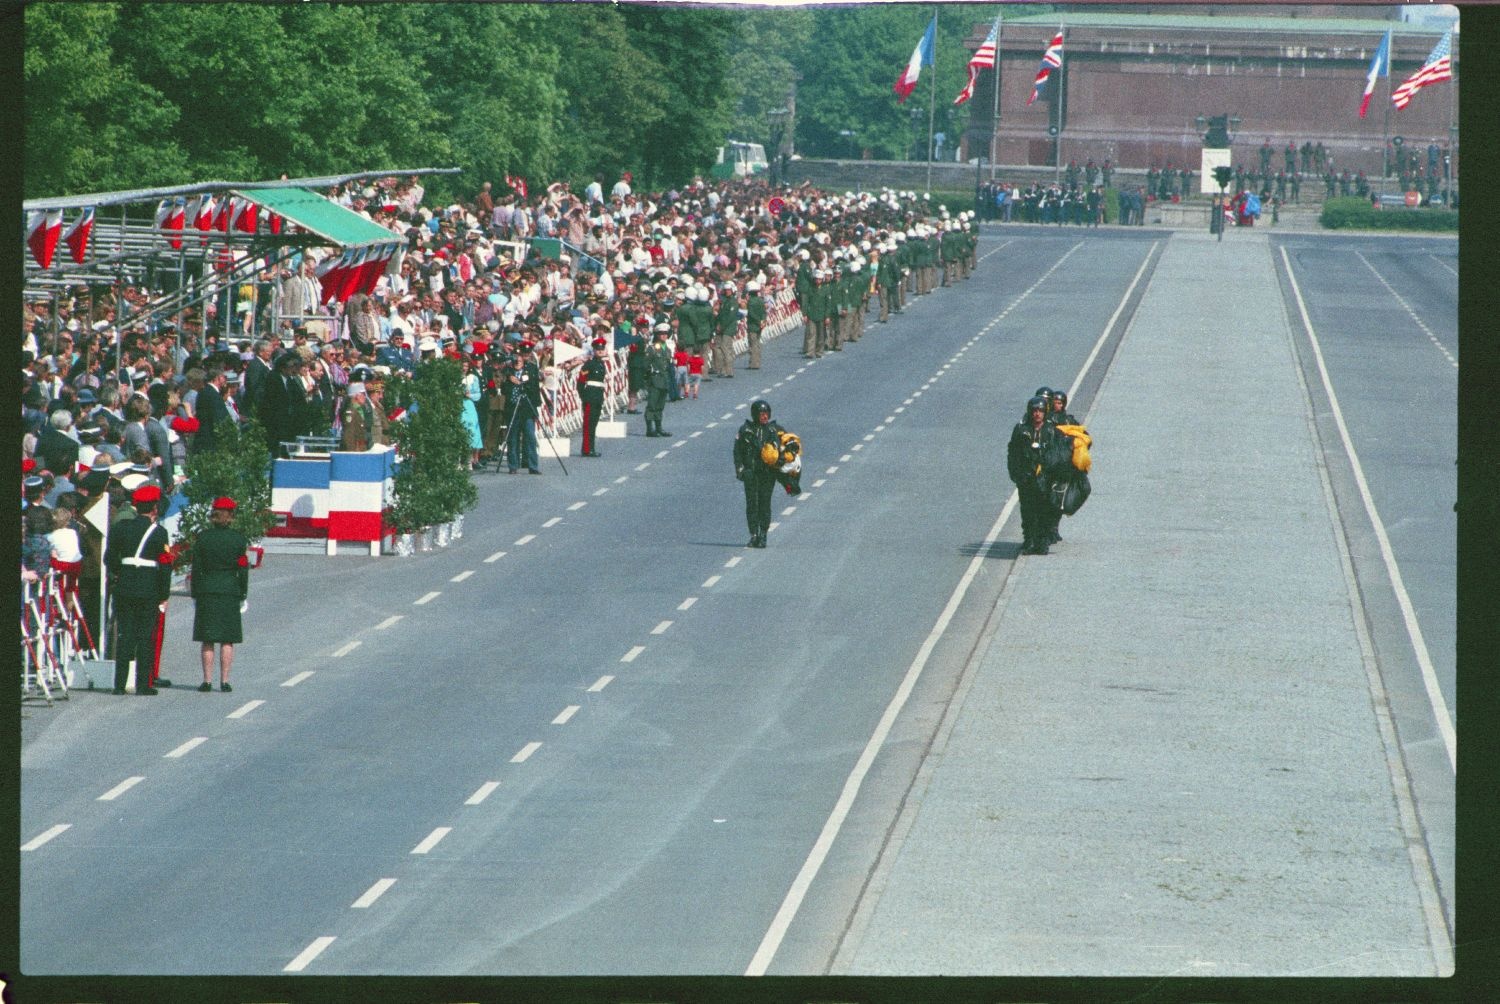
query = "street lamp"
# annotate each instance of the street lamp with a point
(1222, 174)
(778, 118)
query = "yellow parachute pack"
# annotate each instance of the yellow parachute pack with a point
(1081, 441)
(786, 449)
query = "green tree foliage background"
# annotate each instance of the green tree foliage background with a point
(124, 95)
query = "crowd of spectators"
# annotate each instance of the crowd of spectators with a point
(114, 396)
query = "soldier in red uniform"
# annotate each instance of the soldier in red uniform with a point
(591, 378)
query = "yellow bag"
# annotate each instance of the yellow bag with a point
(1081, 440)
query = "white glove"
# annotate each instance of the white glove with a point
(244, 605)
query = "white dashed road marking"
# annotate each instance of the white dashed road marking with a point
(494, 557)
(244, 709)
(600, 684)
(680, 442)
(372, 894)
(426, 599)
(858, 446)
(298, 678)
(820, 482)
(44, 836)
(431, 840)
(601, 491)
(663, 453)
(685, 604)
(788, 510)
(576, 506)
(565, 714)
(711, 581)
(773, 525)
(309, 953)
(531, 536)
(624, 478)
(642, 467)
(661, 628)
(833, 470)
(630, 656)
(525, 752)
(185, 748)
(695, 435)
(346, 649)
(484, 791)
(120, 789)
(734, 561)
(551, 522)
(391, 620)
(462, 575)
(869, 436)
(726, 415)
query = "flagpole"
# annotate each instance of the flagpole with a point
(1058, 108)
(995, 115)
(932, 107)
(1385, 132)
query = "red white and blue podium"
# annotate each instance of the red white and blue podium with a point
(333, 497)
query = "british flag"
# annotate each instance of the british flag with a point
(1051, 60)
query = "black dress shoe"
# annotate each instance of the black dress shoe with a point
(754, 540)
(532, 470)
(226, 688)
(148, 691)
(118, 691)
(663, 432)
(205, 687)
(162, 681)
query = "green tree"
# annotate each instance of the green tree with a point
(90, 125)
(432, 482)
(762, 57)
(238, 467)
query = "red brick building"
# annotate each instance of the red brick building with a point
(1135, 79)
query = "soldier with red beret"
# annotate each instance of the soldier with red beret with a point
(591, 380)
(139, 564)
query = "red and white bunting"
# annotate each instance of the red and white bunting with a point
(77, 237)
(42, 232)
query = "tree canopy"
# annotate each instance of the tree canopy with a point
(128, 95)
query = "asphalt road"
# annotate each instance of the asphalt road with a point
(610, 740)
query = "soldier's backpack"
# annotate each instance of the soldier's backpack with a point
(1081, 442)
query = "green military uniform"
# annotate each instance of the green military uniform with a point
(804, 284)
(818, 308)
(726, 322)
(755, 320)
(220, 583)
(659, 375)
(886, 278)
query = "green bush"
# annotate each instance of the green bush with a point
(1352, 213)
(238, 466)
(432, 482)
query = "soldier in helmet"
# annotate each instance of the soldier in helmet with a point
(1030, 441)
(1058, 413)
(758, 439)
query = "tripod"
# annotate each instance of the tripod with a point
(516, 418)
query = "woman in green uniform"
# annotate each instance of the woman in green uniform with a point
(221, 583)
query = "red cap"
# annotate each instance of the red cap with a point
(225, 502)
(599, 343)
(27, 465)
(479, 348)
(145, 493)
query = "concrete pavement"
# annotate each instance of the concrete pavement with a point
(1170, 758)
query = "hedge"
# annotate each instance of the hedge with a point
(1358, 214)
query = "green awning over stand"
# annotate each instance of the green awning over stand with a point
(321, 216)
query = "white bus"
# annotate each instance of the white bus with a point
(739, 160)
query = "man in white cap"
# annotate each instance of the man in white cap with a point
(755, 320)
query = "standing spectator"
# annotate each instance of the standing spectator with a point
(211, 412)
(256, 374)
(221, 585)
(484, 202)
(622, 187)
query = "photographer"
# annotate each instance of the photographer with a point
(523, 399)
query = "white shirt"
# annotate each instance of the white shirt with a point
(621, 189)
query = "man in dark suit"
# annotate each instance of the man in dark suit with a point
(55, 447)
(140, 579)
(210, 411)
(256, 376)
(284, 401)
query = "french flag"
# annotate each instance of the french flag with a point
(43, 231)
(77, 237)
(920, 56)
(203, 213)
(1380, 66)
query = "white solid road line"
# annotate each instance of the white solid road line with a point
(185, 748)
(600, 684)
(630, 656)
(551, 522)
(44, 836)
(309, 953)
(661, 628)
(525, 752)
(431, 840)
(120, 789)
(346, 649)
(1388, 555)
(391, 620)
(372, 894)
(565, 714)
(579, 505)
(711, 581)
(298, 678)
(245, 709)
(685, 604)
(798, 891)
(531, 536)
(484, 791)
(494, 557)
(462, 575)
(426, 599)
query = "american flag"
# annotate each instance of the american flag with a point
(1439, 67)
(1051, 60)
(984, 59)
